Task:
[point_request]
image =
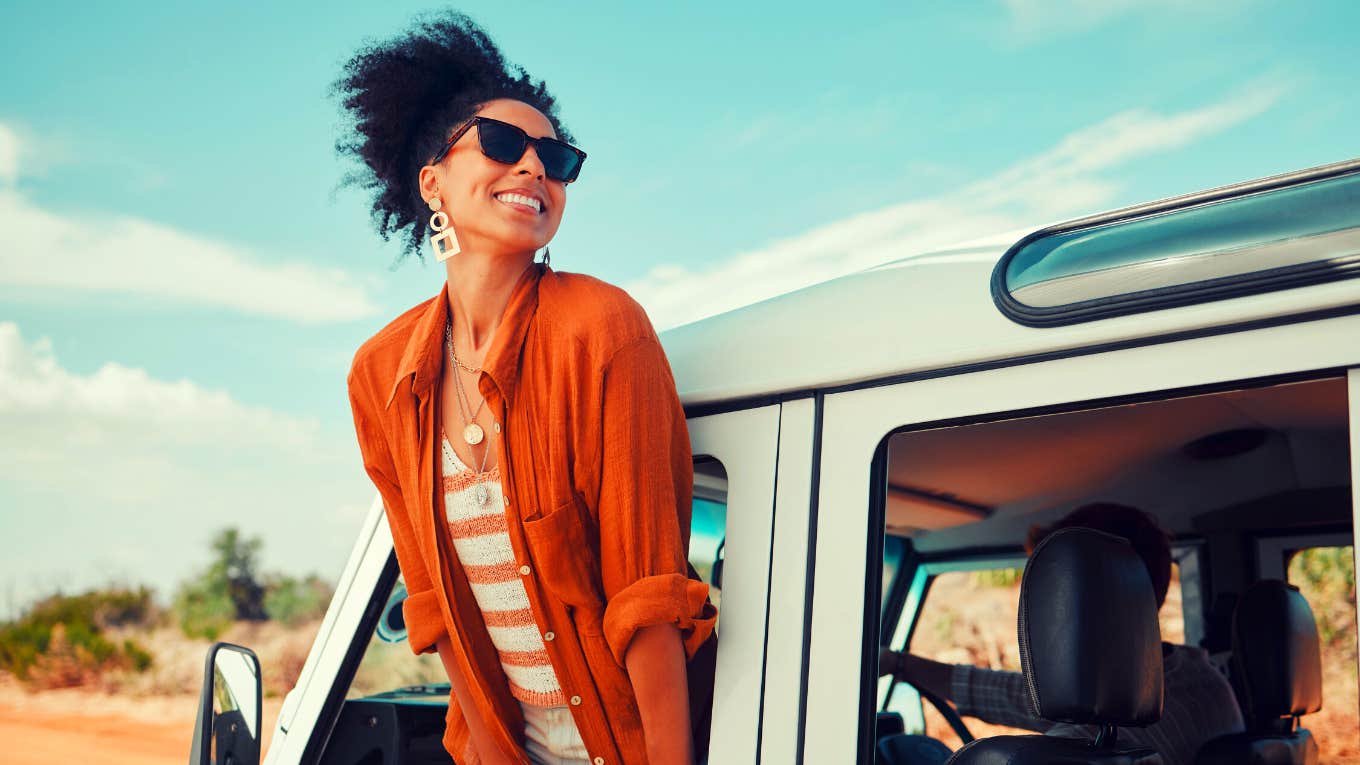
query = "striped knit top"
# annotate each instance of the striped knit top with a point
(482, 541)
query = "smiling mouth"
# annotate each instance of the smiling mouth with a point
(520, 202)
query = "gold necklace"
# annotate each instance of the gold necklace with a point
(472, 432)
(453, 355)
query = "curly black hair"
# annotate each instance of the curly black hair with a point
(403, 96)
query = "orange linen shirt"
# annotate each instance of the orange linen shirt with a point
(595, 461)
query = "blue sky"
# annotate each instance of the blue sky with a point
(182, 285)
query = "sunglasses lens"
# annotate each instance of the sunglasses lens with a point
(505, 143)
(501, 142)
(559, 162)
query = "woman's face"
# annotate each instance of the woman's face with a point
(473, 188)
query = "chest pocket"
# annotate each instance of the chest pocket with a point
(565, 549)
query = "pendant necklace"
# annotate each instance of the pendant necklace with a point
(480, 492)
(472, 432)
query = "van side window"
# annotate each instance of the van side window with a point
(1187, 480)
(1325, 576)
(388, 664)
(969, 618)
(708, 524)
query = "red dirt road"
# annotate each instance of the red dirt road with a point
(80, 726)
(33, 739)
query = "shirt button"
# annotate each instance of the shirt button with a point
(496, 426)
(576, 701)
(598, 761)
(549, 636)
(524, 570)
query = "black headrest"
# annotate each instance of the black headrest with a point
(1090, 646)
(1276, 652)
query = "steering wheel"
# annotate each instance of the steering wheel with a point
(949, 713)
(946, 710)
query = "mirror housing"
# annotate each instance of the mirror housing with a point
(227, 727)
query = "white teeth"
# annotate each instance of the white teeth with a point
(521, 199)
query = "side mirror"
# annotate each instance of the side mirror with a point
(227, 729)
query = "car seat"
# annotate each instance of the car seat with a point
(1277, 672)
(1090, 650)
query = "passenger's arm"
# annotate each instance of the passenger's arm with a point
(930, 676)
(995, 696)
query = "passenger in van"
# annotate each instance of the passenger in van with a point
(522, 426)
(1198, 702)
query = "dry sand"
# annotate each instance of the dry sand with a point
(78, 725)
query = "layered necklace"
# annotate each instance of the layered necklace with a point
(472, 432)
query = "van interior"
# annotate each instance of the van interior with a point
(1252, 482)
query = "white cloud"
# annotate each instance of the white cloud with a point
(108, 253)
(1031, 19)
(1059, 182)
(117, 404)
(105, 253)
(53, 419)
(9, 156)
(119, 474)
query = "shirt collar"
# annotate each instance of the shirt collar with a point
(423, 356)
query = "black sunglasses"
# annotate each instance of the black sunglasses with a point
(506, 143)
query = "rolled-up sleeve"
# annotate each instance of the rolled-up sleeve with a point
(420, 611)
(646, 486)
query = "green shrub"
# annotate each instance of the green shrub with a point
(115, 607)
(59, 640)
(1326, 577)
(996, 577)
(203, 608)
(294, 601)
(139, 657)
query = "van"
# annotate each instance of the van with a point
(871, 451)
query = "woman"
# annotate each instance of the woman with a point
(522, 426)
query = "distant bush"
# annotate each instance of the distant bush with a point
(225, 591)
(231, 589)
(1326, 576)
(294, 601)
(234, 565)
(59, 641)
(203, 608)
(996, 577)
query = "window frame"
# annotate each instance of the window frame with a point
(923, 576)
(1272, 551)
(745, 442)
(1191, 293)
(856, 421)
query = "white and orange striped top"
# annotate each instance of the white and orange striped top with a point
(482, 540)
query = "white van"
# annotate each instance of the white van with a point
(859, 441)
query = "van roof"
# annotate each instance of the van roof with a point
(924, 311)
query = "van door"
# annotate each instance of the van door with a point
(735, 454)
(854, 426)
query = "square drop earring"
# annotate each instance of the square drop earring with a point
(444, 241)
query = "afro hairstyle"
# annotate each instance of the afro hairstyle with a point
(404, 95)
